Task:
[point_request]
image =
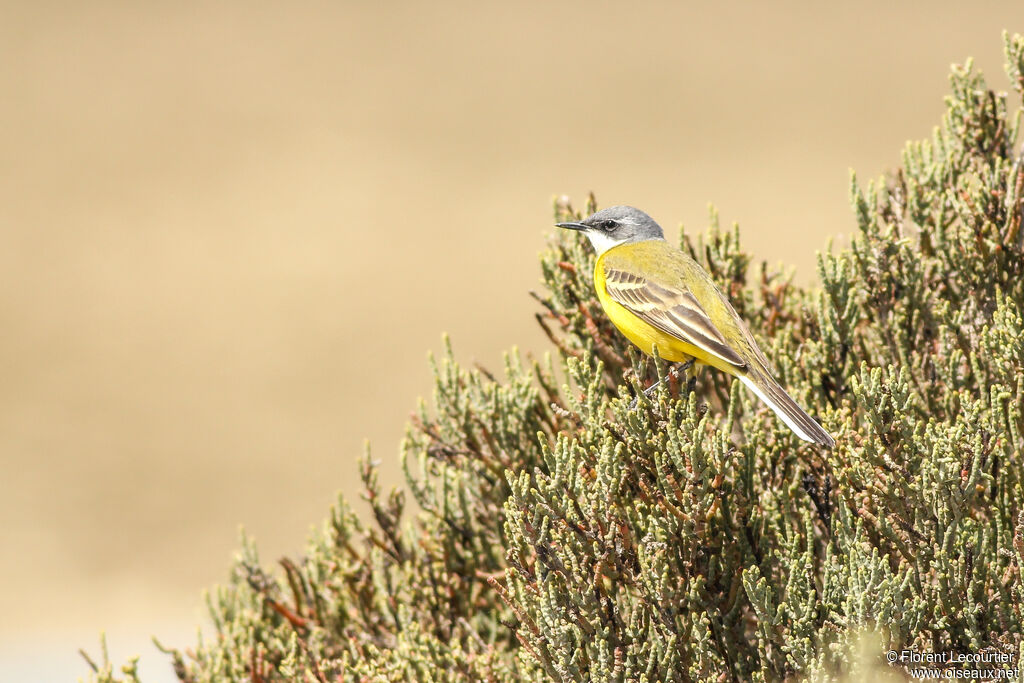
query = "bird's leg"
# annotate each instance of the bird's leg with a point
(691, 376)
(673, 373)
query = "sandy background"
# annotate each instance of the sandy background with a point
(231, 232)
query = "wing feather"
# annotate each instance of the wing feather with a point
(677, 313)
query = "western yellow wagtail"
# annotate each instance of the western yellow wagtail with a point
(665, 303)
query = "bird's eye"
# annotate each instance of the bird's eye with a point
(608, 226)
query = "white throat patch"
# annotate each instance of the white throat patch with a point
(602, 242)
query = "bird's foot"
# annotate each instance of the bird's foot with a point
(673, 373)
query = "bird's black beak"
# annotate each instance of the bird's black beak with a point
(573, 226)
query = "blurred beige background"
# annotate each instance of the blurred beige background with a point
(231, 232)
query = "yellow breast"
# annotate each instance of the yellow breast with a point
(644, 335)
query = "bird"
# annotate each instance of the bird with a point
(665, 303)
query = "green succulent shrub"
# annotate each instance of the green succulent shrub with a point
(559, 535)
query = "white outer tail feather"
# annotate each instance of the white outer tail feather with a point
(790, 422)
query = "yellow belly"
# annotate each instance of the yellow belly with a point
(648, 338)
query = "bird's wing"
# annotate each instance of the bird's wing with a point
(674, 312)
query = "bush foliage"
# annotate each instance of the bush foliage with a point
(561, 536)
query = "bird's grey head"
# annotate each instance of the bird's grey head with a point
(616, 225)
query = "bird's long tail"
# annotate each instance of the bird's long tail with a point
(776, 398)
